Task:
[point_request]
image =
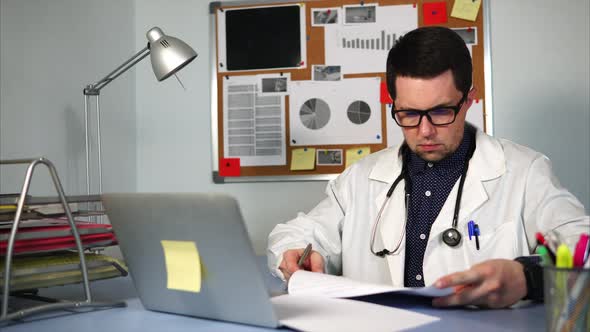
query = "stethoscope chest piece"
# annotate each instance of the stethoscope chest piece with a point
(451, 237)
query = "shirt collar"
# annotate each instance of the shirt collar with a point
(454, 162)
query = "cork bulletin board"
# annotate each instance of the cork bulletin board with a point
(298, 88)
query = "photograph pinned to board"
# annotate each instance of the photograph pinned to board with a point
(346, 44)
(326, 73)
(274, 84)
(316, 120)
(363, 14)
(469, 34)
(253, 123)
(329, 157)
(324, 16)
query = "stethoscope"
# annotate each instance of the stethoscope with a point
(451, 236)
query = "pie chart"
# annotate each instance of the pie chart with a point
(358, 112)
(314, 114)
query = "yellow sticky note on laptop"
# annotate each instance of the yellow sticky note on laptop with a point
(355, 154)
(302, 159)
(466, 9)
(183, 265)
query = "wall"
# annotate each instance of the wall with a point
(174, 139)
(49, 50)
(540, 57)
(174, 127)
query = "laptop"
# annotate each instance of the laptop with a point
(233, 287)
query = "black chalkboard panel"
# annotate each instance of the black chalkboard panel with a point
(263, 38)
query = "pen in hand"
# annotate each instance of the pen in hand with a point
(304, 256)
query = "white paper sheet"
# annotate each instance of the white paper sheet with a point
(363, 48)
(330, 115)
(325, 285)
(311, 314)
(475, 114)
(394, 132)
(253, 124)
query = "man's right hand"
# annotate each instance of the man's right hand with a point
(313, 263)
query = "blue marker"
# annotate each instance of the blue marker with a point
(470, 226)
(476, 234)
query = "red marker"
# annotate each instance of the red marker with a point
(540, 239)
(581, 251)
(550, 249)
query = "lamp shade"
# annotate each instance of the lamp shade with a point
(168, 54)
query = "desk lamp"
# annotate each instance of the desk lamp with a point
(167, 54)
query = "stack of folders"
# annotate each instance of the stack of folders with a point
(59, 269)
(50, 235)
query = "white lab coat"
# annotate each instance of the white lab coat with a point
(510, 192)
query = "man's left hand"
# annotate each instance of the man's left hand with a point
(495, 283)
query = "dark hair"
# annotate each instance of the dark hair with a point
(428, 52)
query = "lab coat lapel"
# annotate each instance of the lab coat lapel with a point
(391, 226)
(486, 164)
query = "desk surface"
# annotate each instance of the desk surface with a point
(135, 318)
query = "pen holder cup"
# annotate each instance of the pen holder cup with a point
(567, 299)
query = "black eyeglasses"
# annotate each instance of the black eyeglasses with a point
(438, 116)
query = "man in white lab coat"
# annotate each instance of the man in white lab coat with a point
(420, 231)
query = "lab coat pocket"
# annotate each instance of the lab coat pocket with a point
(493, 243)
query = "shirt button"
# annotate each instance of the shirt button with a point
(427, 193)
(418, 277)
(422, 236)
(430, 164)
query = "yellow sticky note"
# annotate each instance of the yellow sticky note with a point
(466, 9)
(183, 265)
(302, 159)
(355, 154)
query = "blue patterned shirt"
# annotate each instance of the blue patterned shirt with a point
(431, 184)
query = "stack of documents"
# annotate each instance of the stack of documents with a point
(50, 235)
(323, 302)
(62, 269)
(44, 207)
(326, 285)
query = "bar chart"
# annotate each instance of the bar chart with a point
(384, 41)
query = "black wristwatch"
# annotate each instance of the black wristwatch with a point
(533, 273)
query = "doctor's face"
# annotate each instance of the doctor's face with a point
(430, 142)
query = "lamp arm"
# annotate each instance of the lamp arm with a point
(94, 89)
